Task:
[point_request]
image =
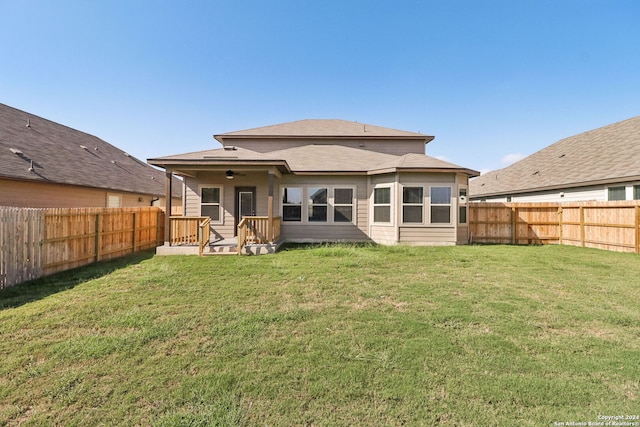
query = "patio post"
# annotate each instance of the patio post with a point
(270, 208)
(168, 207)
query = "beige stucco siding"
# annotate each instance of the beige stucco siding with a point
(361, 229)
(427, 236)
(463, 234)
(322, 233)
(191, 197)
(326, 231)
(386, 146)
(298, 231)
(598, 193)
(225, 228)
(427, 178)
(384, 235)
(425, 233)
(46, 195)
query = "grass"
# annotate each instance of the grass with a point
(324, 336)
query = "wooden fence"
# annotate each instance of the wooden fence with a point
(39, 242)
(611, 226)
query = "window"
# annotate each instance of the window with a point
(440, 205)
(636, 192)
(317, 204)
(382, 204)
(462, 206)
(343, 205)
(292, 204)
(412, 203)
(317, 207)
(617, 193)
(114, 201)
(210, 203)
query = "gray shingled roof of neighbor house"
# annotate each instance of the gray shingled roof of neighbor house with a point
(605, 155)
(39, 150)
(323, 128)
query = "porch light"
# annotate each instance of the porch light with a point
(229, 174)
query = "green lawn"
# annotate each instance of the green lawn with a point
(327, 336)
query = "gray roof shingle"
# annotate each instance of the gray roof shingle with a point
(327, 156)
(60, 154)
(322, 128)
(604, 155)
(314, 158)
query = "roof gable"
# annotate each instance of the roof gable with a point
(39, 150)
(607, 154)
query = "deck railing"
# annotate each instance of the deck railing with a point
(257, 230)
(185, 230)
(204, 234)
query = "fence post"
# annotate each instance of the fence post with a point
(560, 225)
(97, 239)
(582, 226)
(133, 239)
(637, 208)
(514, 238)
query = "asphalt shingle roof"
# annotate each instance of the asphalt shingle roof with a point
(60, 154)
(323, 128)
(314, 158)
(607, 154)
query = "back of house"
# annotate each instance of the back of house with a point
(327, 180)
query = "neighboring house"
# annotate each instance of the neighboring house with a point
(46, 164)
(327, 180)
(601, 164)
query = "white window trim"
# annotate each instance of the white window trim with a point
(391, 204)
(333, 205)
(220, 209)
(610, 187)
(310, 205)
(403, 204)
(282, 204)
(463, 203)
(113, 197)
(450, 204)
(330, 204)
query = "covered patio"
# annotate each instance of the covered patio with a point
(235, 208)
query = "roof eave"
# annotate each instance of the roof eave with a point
(79, 185)
(426, 138)
(199, 164)
(334, 172)
(559, 186)
(470, 172)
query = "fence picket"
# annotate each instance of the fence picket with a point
(604, 225)
(39, 242)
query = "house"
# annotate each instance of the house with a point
(325, 180)
(601, 164)
(46, 164)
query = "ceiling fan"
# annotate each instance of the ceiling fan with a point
(230, 174)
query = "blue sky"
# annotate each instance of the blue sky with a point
(492, 80)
